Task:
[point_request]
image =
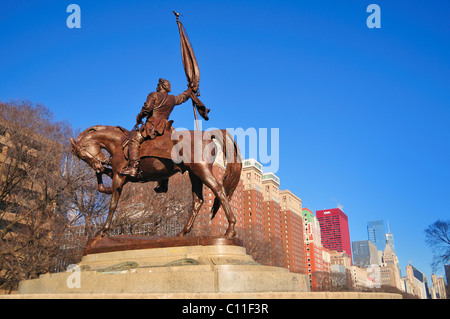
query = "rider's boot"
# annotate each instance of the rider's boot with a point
(131, 169)
(133, 156)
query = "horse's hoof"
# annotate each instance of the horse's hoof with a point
(180, 234)
(230, 234)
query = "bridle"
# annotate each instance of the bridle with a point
(81, 150)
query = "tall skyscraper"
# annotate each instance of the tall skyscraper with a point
(261, 206)
(334, 230)
(390, 238)
(252, 200)
(292, 235)
(376, 234)
(390, 270)
(364, 253)
(313, 246)
(271, 217)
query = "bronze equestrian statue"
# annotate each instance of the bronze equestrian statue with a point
(157, 110)
(156, 151)
(157, 163)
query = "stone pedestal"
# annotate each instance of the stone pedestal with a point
(135, 265)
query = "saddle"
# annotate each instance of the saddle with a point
(161, 146)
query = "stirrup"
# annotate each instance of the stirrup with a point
(131, 170)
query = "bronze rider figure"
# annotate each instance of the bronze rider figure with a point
(156, 109)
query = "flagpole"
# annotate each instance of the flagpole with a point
(193, 103)
(195, 115)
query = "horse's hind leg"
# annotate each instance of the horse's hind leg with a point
(197, 202)
(219, 191)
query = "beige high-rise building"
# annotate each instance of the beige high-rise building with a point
(438, 287)
(359, 277)
(19, 151)
(272, 218)
(390, 271)
(252, 201)
(416, 281)
(292, 232)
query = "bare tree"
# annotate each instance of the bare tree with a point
(142, 211)
(260, 247)
(323, 280)
(83, 206)
(341, 281)
(438, 238)
(35, 191)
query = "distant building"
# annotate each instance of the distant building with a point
(314, 259)
(390, 271)
(359, 277)
(341, 269)
(21, 192)
(417, 282)
(326, 260)
(438, 290)
(292, 235)
(390, 238)
(272, 218)
(447, 276)
(334, 230)
(262, 213)
(376, 234)
(364, 253)
(252, 200)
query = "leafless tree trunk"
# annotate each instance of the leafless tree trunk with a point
(36, 191)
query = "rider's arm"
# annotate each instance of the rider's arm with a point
(183, 97)
(147, 108)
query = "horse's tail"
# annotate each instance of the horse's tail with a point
(233, 162)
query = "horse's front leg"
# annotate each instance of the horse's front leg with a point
(101, 188)
(117, 186)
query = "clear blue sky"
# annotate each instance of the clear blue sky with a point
(363, 113)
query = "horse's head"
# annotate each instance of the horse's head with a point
(89, 153)
(75, 148)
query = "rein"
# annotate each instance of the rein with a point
(96, 157)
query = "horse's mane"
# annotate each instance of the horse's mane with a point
(100, 128)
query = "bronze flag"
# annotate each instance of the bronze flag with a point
(191, 69)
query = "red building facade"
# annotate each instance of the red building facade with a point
(334, 230)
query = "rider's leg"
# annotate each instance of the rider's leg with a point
(163, 186)
(133, 154)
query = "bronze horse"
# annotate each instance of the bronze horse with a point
(196, 156)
